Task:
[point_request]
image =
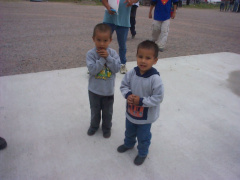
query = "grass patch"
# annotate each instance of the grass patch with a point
(203, 6)
(84, 2)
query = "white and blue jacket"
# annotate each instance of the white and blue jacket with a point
(149, 88)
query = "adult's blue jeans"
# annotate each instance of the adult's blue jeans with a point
(122, 34)
(235, 8)
(143, 135)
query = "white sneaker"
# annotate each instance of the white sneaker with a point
(123, 69)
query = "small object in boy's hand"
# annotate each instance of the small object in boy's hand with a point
(171, 13)
(113, 10)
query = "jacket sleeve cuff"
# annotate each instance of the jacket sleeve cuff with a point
(109, 58)
(141, 102)
(129, 93)
(102, 61)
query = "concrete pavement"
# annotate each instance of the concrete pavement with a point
(45, 116)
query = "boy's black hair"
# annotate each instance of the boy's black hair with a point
(102, 28)
(149, 45)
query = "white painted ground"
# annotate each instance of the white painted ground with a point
(45, 116)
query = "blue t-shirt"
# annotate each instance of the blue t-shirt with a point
(122, 18)
(162, 11)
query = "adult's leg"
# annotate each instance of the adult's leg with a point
(113, 26)
(226, 5)
(222, 7)
(122, 33)
(144, 139)
(133, 20)
(235, 7)
(95, 106)
(164, 34)
(107, 111)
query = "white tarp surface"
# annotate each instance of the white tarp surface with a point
(45, 116)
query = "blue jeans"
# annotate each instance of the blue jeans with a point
(143, 134)
(122, 34)
(235, 8)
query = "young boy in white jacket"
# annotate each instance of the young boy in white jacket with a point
(143, 89)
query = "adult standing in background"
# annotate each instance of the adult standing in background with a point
(230, 7)
(236, 3)
(120, 22)
(226, 4)
(133, 19)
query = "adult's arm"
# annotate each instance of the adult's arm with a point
(107, 6)
(174, 10)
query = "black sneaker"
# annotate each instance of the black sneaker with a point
(139, 160)
(91, 131)
(123, 148)
(107, 134)
(3, 143)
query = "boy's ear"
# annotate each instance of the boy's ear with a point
(155, 60)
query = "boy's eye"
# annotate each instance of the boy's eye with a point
(139, 56)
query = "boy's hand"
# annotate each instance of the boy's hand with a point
(150, 15)
(130, 99)
(136, 100)
(111, 12)
(103, 53)
(173, 15)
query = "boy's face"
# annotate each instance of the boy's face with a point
(145, 59)
(102, 40)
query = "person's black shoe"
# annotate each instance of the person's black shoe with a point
(123, 148)
(107, 134)
(3, 143)
(91, 131)
(139, 160)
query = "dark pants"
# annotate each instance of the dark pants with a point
(101, 105)
(179, 3)
(142, 133)
(133, 19)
